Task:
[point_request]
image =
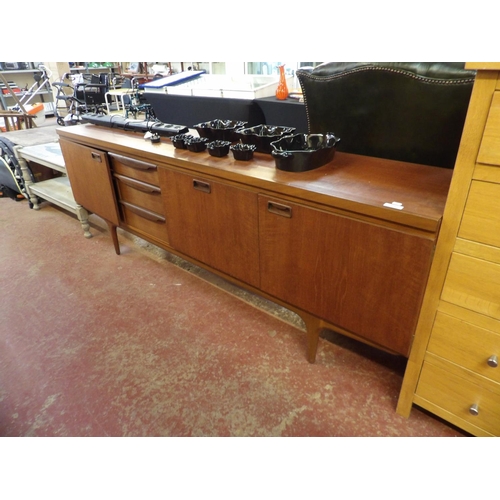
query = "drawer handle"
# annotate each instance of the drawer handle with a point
(132, 163)
(145, 214)
(474, 410)
(493, 361)
(278, 209)
(201, 186)
(96, 157)
(140, 186)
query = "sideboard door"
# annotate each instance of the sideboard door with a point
(364, 278)
(90, 178)
(212, 222)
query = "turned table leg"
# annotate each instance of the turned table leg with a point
(26, 173)
(83, 217)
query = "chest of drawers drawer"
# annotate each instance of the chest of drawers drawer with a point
(473, 283)
(455, 391)
(489, 151)
(467, 345)
(481, 218)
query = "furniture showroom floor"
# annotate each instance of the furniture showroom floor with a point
(95, 344)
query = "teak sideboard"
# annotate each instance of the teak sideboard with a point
(347, 246)
(453, 366)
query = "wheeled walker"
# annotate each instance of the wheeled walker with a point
(79, 94)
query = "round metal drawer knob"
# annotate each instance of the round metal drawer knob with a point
(493, 361)
(474, 410)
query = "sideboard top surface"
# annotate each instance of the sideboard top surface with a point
(354, 183)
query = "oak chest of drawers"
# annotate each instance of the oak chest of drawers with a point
(453, 366)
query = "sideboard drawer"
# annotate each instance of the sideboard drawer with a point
(146, 221)
(481, 219)
(466, 345)
(489, 151)
(460, 395)
(137, 169)
(472, 283)
(139, 193)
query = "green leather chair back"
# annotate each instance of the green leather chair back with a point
(412, 112)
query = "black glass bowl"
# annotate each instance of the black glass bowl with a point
(196, 144)
(302, 152)
(243, 152)
(219, 130)
(262, 135)
(218, 148)
(179, 140)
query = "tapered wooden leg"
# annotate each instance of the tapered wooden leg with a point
(114, 237)
(405, 401)
(314, 327)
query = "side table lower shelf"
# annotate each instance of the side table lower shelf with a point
(58, 191)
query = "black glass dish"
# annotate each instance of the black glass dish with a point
(196, 144)
(219, 130)
(243, 152)
(302, 152)
(179, 140)
(261, 136)
(218, 148)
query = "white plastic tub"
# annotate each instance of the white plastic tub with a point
(237, 87)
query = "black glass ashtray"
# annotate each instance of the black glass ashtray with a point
(243, 152)
(179, 140)
(218, 148)
(261, 136)
(219, 130)
(302, 152)
(196, 144)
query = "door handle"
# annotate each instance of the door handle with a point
(279, 209)
(201, 186)
(96, 156)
